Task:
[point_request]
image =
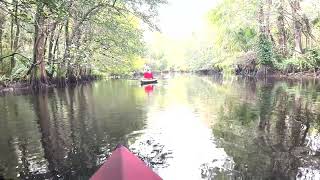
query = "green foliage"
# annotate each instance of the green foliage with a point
(245, 38)
(232, 20)
(309, 60)
(236, 26)
(265, 53)
(19, 72)
(294, 64)
(4, 80)
(244, 113)
(313, 57)
(84, 36)
(160, 62)
(200, 58)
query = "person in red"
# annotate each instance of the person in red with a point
(148, 75)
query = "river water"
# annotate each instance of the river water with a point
(184, 127)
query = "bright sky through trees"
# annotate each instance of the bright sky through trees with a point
(184, 25)
(180, 18)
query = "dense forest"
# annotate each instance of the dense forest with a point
(283, 34)
(50, 41)
(249, 37)
(59, 42)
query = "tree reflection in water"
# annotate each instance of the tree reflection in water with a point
(285, 144)
(259, 129)
(64, 133)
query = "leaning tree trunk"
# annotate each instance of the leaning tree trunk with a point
(282, 37)
(38, 75)
(295, 6)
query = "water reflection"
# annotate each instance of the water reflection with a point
(65, 133)
(283, 118)
(148, 88)
(185, 127)
(188, 143)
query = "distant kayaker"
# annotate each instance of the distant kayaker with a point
(148, 74)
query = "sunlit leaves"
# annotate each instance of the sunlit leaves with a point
(245, 38)
(102, 34)
(234, 24)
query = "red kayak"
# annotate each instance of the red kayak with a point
(123, 165)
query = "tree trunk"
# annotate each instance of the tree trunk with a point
(50, 50)
(38, 76)
(282, 37)
(53, 50)
(267, 14)
(307, 31)
(1, 33)
(61, 72)
(72, 67)
(51, 41)
(307, 41)
(1, 41)
(56, 44)
(16, 38)
(67, 43)
(295, 6)
(66, 56)
(262, 28)
(2, 20)
(11, 44)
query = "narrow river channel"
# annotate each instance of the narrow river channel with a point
(186, 127)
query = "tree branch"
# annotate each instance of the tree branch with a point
(12, 54)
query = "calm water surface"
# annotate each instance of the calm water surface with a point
(185, 127)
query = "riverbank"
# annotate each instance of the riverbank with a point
(14, 87)
(21, 87)
(292, 75)
(261, 73)
(301, 75)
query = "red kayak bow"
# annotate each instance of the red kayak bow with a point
(123, 165)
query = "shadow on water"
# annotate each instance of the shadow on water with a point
(184, 127)
(76, 130)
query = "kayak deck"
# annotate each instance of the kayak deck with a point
(123, 165)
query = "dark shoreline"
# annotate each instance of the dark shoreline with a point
(24, 87)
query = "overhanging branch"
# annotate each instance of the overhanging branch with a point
(13, 54)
